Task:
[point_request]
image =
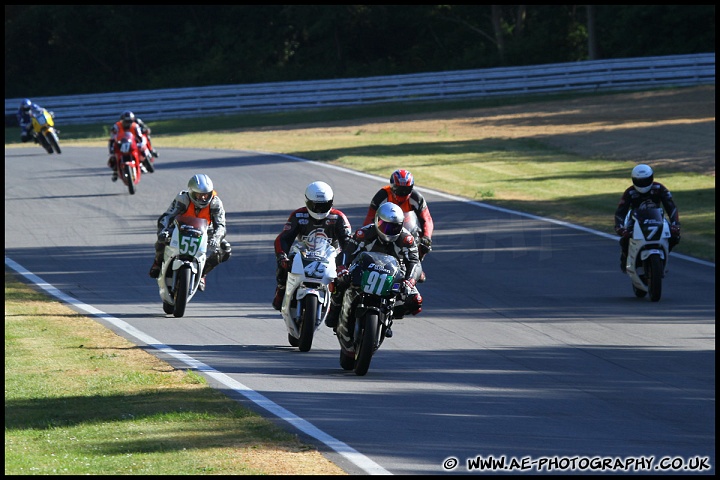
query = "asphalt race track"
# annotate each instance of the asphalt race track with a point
(531, 344)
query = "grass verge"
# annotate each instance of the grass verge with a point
(81, 400)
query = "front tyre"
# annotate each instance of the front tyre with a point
(182, 288)
(44, 142)
(130, 175)
(309, 319)
(654, 277)
(366, 345)
(53, 141)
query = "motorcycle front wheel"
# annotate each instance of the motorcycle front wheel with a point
(53, 141)
(44, 143)
(366, 342)
(307, 327)
(130, 175)
(182, 289)
(654, 277)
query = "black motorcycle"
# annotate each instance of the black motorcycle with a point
(375, 290)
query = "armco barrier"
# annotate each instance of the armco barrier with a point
(587, 76)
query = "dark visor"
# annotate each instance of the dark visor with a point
(201, 197)
(643, 182)
(389, 229)
(319, 207)
(402, 191)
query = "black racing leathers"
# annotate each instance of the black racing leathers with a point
(632, 199)
(300, 226)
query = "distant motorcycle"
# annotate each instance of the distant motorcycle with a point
(648, 251)
(127, 161)
(183, 263)
(374, 293)
(412, 225)
(44, 130)
(307, 295)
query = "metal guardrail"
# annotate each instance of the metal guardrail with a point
(587, 76)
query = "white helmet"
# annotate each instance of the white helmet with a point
(389, 220)
(318, 199)
(642, 178)
(200, 188)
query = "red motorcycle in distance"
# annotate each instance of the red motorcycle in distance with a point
(128, 159)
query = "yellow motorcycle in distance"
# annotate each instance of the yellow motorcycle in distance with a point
(44, 130)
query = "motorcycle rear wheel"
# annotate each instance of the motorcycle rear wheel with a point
(149, 165)
(639, 293)
(307, 327)
(366, 344)
(347, 362)
(182, 289)
(168, 308)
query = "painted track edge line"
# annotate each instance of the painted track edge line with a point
(304, 426)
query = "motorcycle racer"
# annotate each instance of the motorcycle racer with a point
(128, 123)
(644, 188)
(401, 192)
(386, 235)
(25, 114)
(198, 200)
(316, 218)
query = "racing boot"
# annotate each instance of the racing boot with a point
(623, 262)
(201, 286)
(111, 165)
(157, 264)
(279, 295)
(333, 315)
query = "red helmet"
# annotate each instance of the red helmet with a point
(402, 183)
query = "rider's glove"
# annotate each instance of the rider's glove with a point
(409, 285)
(623, 232)
(213, 245)
(342, 271)
(425, 245)
(164, 236)
(283, 261)
(675, 230)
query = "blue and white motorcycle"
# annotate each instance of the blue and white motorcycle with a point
(307, 291)
(648, 251)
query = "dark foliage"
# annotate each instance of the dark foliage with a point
(73, 49)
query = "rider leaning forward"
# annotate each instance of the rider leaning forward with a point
(644, 188)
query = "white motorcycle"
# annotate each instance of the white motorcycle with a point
(649, 251)
(183, 263)
(307, 292)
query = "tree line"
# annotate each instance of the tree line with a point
(71, 49)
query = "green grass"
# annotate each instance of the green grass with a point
(82, 400)
(94, 403)
(520, 174)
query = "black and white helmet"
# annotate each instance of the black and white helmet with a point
(318, 199)
(389, 220)
(642, 178)
(200, 189)
(127, 118)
